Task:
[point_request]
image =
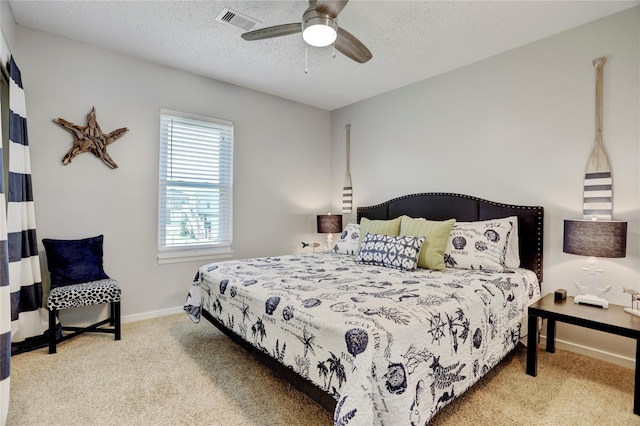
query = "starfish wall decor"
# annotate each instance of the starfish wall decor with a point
(90, 138)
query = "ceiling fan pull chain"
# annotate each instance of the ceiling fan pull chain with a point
(306, 59)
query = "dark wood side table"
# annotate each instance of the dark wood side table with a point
(613, 320)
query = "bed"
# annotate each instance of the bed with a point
(366, 335)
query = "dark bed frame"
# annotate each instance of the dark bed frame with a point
(433, 206)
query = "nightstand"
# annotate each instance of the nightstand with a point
(612, 320)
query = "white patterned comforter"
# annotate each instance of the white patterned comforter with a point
(392, 347)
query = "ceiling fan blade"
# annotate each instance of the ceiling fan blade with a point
(275, 31)
(331, 7)
(351, 47)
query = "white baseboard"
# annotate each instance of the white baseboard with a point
(152, 314)
(594, 353)
(81, 321)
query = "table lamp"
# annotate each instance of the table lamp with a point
(594, 238)
(329, 224)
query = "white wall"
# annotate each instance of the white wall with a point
(515, 128)
(281, 162)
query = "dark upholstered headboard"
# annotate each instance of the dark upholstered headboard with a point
(465, 208)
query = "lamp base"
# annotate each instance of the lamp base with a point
(632, 311)
(329, 242)
(590, 299)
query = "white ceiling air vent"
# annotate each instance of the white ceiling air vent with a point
(238, 20)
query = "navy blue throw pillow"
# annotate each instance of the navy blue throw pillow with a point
(74, 261)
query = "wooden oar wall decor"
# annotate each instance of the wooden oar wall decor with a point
(347, 189)
(597, 179)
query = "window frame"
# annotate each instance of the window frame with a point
(196, 251)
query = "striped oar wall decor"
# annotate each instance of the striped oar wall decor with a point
(347, 188)
(597, 200)
(597, 196)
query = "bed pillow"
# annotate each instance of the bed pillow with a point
(382, 227)
(390, 251)
(480, 245)
(74, 261)
(513, 245)
(437, 234)
(349, 239)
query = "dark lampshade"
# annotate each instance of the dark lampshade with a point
(329, 223)
(597, 238)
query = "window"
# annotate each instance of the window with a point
(196, 187)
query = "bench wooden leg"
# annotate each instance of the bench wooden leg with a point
(52, 331)
(115, 308)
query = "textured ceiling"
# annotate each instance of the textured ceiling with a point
(410, 40)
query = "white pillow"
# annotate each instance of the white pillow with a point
(349, 239)
(480, 245)
(513, 246)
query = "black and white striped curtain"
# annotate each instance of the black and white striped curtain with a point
(20, 279)
(5, 303)
(24, 262)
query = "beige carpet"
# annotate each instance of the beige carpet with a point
(169, 371)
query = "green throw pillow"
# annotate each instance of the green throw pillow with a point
(381, 227)
(437, 233)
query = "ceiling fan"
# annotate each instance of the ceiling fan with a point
(319, 28)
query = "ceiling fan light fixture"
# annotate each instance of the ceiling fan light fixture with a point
(319, 35)
(319, 30)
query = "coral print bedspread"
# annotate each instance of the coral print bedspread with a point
(392, 347)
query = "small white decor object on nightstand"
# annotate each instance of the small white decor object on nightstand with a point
(635, 301)
(314, 245)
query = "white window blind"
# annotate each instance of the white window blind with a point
(196, 186)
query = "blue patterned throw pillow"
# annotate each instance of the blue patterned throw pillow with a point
(399, 252)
